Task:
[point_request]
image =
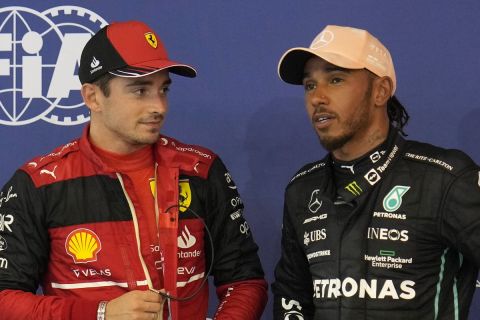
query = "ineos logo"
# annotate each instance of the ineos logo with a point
(322, 40)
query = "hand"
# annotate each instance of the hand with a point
(136, 305)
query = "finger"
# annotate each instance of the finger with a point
(155, 316)
(152, 296)
(153, 307)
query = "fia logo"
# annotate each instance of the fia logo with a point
(393, 200)
(39, 56)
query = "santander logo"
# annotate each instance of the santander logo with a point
(186, 239)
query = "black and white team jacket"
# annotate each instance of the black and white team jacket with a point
(408, 248)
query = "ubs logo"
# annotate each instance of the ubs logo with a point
(314, 236)
(39, 57)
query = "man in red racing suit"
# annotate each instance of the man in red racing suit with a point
(108, 221)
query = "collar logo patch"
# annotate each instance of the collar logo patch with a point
(393, 200)
(372, 176)
(374, 157)
(151, 39)
(184, 195)
(83, 245)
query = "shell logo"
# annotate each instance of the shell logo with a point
(83, 245)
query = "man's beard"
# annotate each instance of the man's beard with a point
(333, 143)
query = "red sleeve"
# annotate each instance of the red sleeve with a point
(17, 304)
(242, 300)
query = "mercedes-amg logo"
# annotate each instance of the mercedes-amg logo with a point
(314, 203)
(322, 39)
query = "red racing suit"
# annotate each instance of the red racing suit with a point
(69, 223)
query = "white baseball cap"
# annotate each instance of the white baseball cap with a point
(345, 47)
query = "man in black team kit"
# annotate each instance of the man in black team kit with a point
(381, 228)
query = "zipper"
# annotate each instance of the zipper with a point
(137, 232)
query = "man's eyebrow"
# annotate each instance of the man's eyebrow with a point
(330, 68)
(141, 82)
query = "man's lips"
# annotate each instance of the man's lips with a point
(322, 120)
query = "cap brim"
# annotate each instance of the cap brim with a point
(150, 67)
(292, 63)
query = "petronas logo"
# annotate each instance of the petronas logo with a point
(393, 200)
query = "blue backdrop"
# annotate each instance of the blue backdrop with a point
(237, 106)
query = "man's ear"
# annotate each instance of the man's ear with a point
(383, 90)
(90, 94)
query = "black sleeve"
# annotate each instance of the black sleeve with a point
(235, 251)
(24, 245)
(292, 289)
(460, 224)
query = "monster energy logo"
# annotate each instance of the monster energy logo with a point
(393, 200)
(354, 188)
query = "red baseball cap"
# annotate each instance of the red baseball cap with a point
(127, 49)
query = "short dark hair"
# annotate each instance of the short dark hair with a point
(397, 114)
(103, 83)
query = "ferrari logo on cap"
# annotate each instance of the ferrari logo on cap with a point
(151, 39)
